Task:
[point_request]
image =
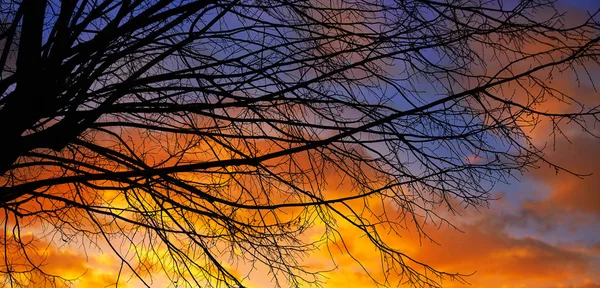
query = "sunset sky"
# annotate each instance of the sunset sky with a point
(543, 231)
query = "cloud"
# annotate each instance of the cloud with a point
(485, 247)
(571, 201)
(71, 265)
(586, 284)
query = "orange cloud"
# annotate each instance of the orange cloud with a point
(61, 265)
(499, 260)
(569, 195)
(586, 284)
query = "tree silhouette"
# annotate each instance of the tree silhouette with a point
(206, 134)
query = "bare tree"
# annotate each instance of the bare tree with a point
(210, 133)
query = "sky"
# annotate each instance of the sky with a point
(543, 231)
